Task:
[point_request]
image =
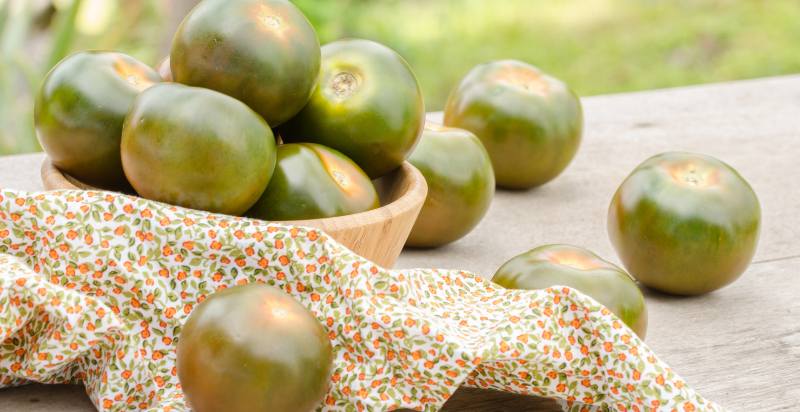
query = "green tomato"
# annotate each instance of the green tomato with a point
(368, 105)
(262, 52)
(80, 110)
(253, 348)
(685, 223)
(575, 267)
(312, 181)
(529, 122)
(460, 185)
(197, 148)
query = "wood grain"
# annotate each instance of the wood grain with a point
(378, 235)
(739, 346)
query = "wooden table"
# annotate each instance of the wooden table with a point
(739, 346)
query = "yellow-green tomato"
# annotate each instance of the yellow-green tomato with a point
(80, 110)
(312, 181)
(685, 223)
(460, 185)
(368, 105)
(197, 148)
(253, 348)
(575, 267)
(529, 122)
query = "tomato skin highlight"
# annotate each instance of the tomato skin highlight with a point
(197, 148)
(164, 70)
(367, 105)
(312, 181)
(461, 185)
(253, 348)
(575, 267)
(685, 223)
(80, 110)
(262, 52)
(530, 123)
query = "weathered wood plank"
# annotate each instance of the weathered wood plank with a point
(36, 398)
(739, 346)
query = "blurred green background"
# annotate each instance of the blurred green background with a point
(597, 46)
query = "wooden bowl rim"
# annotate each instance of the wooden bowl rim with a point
(413, 198)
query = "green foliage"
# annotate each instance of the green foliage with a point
(34, 36)
(597, 46)
(15, 123)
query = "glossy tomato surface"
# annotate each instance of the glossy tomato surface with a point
(368, 105)
(460, 185)
(164, 70)
(262, 52)
(530, 123)
(80, 110)
(685, 223)
(575, 267)
(253, 348)
(197, 148)
(312, 181)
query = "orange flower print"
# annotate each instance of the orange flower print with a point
(401, 338)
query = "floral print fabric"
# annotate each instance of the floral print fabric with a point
(94, 288)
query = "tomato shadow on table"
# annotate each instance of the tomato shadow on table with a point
(650, 293)
(484, 400)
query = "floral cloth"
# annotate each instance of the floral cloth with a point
(94, 288)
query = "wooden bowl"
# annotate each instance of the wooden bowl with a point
(378, 235)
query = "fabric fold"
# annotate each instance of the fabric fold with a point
(96, 286)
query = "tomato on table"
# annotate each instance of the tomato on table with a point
(530, 123)
(460, 185)
(685, 223)
(580, 269)
(253, 348)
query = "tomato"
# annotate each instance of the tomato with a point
(312, 181)
(530, 123)
(253, 348)
(262, 52)
(197, 148)
(685, 223)
(575, 267)
(164, 70)
(80, 109)
(368, 105)
(460, 185)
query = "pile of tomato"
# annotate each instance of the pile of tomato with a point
(250, 116)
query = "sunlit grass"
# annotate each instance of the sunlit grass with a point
(95, 16)
(27, 52)
(597, 46)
